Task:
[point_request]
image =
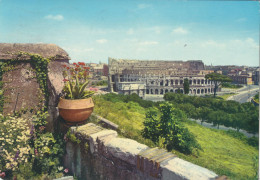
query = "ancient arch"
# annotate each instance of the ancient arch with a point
(161, 91)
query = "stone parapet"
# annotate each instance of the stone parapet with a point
(101, 154)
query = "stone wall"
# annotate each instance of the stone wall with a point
(101, 154)
(21, 89)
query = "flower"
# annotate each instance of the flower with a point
(66, 170)
(2, 174)
(76, 81)
(68, 67)
(35, 152)
(65, 138)
(64, 65)
(81, 63)
(41, 128)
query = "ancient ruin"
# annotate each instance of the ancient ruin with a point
(101, 154)
(21, 88)
(157, 77)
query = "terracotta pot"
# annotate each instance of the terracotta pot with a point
(75, 111)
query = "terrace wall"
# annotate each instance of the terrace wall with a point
(101, 154)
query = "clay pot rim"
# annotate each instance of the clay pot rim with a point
(74, 99)
(73, 104)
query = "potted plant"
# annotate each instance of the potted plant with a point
(76, 104)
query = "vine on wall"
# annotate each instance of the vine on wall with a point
(39, 66)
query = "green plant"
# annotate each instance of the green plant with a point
(186, 86)
(29, 151)
(76, 82)
(39, 66)
(14, 143)
(169, 126)
(217, 79)
(221, 153)
(72, 137)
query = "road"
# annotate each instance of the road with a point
(245, 94)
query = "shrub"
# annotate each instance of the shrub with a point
(27, 151)
(169, 127)
(253, 141)
(14, 144)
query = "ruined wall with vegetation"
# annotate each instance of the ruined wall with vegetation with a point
(97, 153)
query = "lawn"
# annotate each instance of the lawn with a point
(225, 96)
(223, 154)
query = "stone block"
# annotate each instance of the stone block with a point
(94, 134)
(180, 169)
(125, 149)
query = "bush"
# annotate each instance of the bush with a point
(229, 85)
(220, 112)
(27, 151)
(236, 134)
(253, 141)
(169, 127)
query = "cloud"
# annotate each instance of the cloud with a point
(54, 17)
(144, 6)
(241, 20)
(101, 41)
(179, 30)
(213, 43)
(130, 31)
(148, 43)
(156, 30)
(252, 43)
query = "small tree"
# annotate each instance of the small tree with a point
(169, 127)
(217, 79)
(186, 86)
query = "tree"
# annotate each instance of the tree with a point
(186, 86)
(217, 79)
(168, 126)
(151, 124)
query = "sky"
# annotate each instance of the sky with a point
(216, 32)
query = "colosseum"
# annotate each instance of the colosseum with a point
(157, 77)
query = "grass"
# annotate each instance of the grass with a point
(129, 116)
(225, 96)
(222, 153)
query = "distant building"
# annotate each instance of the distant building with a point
(157, 77)
(100, 69)
(255, 77)
(240, 76)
